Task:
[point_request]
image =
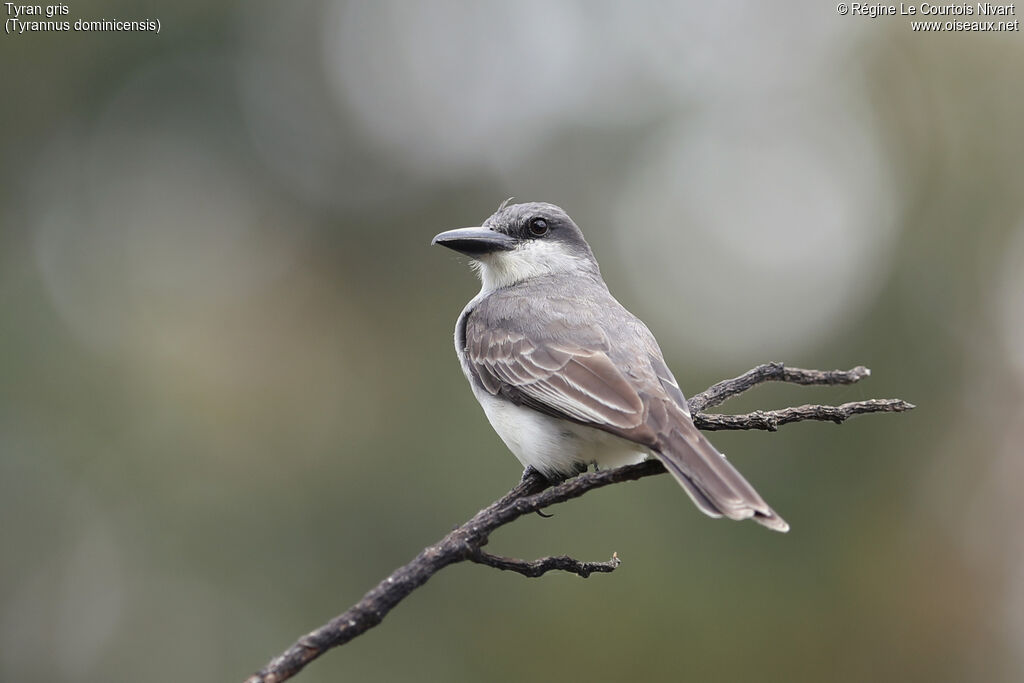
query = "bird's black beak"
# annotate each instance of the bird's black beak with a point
(475, 242)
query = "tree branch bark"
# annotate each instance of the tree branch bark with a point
(544, 565)
(534, 493)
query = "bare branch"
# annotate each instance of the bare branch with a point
(373, 606)
(534, 493)
(544, 565)
(772, 372)
(770, 420)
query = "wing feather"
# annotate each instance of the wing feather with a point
(580, 384)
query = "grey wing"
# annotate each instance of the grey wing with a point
(555, 377)
(667, 380)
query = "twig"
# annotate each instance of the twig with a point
(535, 493)
(772, 372)
(770, 420)
(544, 565)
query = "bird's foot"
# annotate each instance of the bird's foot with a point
(533, 474)
(530, 473)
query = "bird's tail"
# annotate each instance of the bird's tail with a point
(716, 487)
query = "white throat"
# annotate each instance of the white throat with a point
(535, 258)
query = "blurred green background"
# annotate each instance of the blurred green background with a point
(229, 402)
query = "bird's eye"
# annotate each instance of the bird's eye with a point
(538, 227)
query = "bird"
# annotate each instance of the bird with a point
(569, 378)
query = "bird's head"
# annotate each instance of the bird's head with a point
(523, 241)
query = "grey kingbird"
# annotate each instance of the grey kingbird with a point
(566, 375)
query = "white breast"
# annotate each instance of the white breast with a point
(554, 446)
